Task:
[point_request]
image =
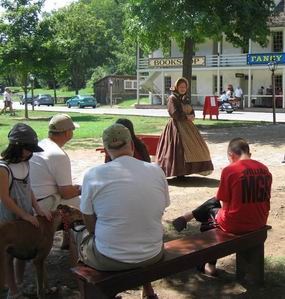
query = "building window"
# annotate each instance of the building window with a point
(215, 85)
(167, 84)
(277, 41)
(130, 84)
(278, 82)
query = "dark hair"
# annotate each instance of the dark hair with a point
(13, 153)
(139, 145)
(238, 146)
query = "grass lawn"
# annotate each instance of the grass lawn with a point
(132, 102)
(91, 126)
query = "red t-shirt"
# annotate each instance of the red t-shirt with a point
(244, 191)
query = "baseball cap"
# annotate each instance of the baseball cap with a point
(116, 136)
(22, 134)
(61, 123)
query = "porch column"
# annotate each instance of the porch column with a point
(249, 77)
(218, 70)
(163, 88)
(283, 71)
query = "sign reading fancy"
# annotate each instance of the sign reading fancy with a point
(175, 62)
(265, 58)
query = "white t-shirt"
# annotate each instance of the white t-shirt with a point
(49, 169)
(238, 93)
(128, 196)
(7, 96)
(229, 93)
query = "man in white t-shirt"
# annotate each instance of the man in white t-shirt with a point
(50, 170)
(239, 96)
(122, 204)
(8, 102)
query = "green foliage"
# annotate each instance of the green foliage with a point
(63, 47)
(123, 58)
(82, 40)
(155, 23)
(99, 73)
(244, 20)
(19, 49)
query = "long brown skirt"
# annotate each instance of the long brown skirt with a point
(171, 156)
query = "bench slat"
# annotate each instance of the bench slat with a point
(180, 255)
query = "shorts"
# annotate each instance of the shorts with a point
(206, 213)
(7, 104)
(89, 255)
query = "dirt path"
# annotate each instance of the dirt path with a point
(268, 146)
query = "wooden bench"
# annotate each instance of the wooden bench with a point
(150, 141)
(181, 255)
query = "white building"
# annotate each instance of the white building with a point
(216, 65)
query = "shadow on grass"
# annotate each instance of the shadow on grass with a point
(193, 181)
(88, 118)
(77, 118)
(40, 118)
(4, 125)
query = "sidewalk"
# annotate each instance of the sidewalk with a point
(263, 115)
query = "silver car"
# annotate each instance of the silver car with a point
(44, 99)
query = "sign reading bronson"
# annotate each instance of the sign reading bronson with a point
(266, 58)
(175, 62)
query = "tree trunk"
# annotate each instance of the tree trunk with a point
(54, 90)
(75, 78)
(187, 61)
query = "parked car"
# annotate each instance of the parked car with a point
(81, 102)
(27, 99)
(44, 99)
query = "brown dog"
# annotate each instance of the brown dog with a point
(24, 241)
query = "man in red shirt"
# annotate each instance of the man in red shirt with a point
(244, 191)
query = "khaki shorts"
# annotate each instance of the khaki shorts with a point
(51, 202)
(89, 255)
(7, 104)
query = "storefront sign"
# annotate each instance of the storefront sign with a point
(266, 58)
(239, 75)
(175, 62)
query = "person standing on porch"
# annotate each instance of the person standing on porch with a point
(238, 95)
(181, 149)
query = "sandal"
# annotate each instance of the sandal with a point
(179, 223)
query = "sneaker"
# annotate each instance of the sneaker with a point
(179, 223)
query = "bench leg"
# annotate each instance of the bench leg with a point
(250, 264)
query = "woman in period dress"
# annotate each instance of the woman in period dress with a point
(181, 149)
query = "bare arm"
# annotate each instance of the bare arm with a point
(90, 221)
(70, 191)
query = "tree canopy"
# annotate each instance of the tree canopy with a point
(155, 23)
(86, 39)
(19, 50)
